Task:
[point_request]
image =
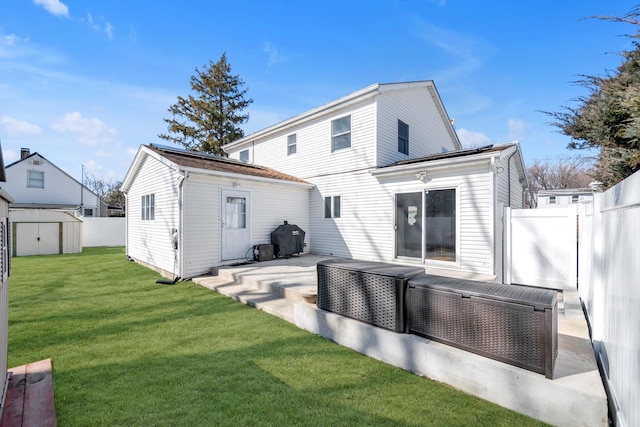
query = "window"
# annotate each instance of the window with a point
(88, 212)
(341, 133)
(332, 207)
(552, 200)
(236, 212)
(440, 225)
(148, 207)
(35, 179)
(291, 144)
(575, 198)
(403, 137)
(244, 156)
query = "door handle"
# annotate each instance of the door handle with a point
(38, 239)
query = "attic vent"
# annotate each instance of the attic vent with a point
(36, 162)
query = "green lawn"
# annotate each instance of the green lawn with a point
(129, 352)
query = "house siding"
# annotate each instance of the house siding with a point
(150, 241)
(270, 205)
(59, 188)
(314, 157)
(200, 231)
(503, 179)
(427, 132)
(366, 227)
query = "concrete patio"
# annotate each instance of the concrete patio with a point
(574, 397)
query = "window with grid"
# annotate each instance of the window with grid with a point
(148, 207)
(291, 144)
(341, 133)
(35, 179)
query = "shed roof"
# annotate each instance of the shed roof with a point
(456, 153)
(209, 162)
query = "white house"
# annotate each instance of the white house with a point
(385, 178)
(188, 212)
(47, 206)
(562, 198)
(392, 181)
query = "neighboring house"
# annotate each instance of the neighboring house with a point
(5, 255)
(387, 180)
(188, 212)
(48, 206)
(562, 198)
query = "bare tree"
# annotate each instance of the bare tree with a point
(108, 191)
(547, 175)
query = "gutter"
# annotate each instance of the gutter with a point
(237, 176)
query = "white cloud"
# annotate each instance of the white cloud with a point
(517, 129)
(9, 156)
(470, 139)
(91, 132)
(100, 25)
(55, 7)
(273, 54)
(462, 49)
(17, 127)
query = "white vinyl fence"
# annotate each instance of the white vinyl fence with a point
(540, 247)
(103, 231)
(609, 286)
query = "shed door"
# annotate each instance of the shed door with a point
(37, 238)
(236, 239)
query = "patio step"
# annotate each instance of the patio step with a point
(250, 295)
(294, 283)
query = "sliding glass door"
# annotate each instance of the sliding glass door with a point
(431, 220)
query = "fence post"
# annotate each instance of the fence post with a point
(506, 246)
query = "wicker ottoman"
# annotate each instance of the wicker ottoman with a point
(514, 324)
(372, 292)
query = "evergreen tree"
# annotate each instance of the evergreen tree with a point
(211, 117)
(609, 117)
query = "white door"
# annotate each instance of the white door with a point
(236, 240)
(37, 238)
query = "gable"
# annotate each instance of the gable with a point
(373, 112)
(35, 179)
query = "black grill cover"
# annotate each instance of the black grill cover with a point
(288, 238)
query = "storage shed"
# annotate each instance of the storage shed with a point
(190, 211)
(45, 232)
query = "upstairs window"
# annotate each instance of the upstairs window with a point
(575, 198)
(35, 179)
(244, 156)
(403, 137)
(332, 206)
(340, 133)
(291, 144)
(552, 200)
(148, 207)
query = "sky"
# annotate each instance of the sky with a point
(85, 83)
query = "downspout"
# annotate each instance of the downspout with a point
(180, 252)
